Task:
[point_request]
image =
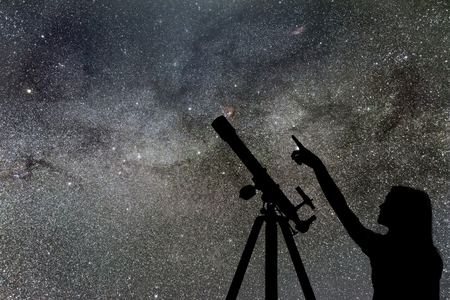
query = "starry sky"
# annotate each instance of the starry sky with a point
(113, 184)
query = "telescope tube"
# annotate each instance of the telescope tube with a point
(263, 182)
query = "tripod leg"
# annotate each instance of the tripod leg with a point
(271, 257)
(245, 259)
(297, 261)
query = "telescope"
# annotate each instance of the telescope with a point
(274, 201)
(271, 192)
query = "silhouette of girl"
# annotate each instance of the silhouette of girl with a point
(405, 263)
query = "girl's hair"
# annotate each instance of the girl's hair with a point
(415, 208)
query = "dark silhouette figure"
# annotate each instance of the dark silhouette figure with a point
(405, 263)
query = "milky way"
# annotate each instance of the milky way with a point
(113, 184)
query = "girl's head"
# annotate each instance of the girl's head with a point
(407, 209)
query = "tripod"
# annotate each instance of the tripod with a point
(271, 218)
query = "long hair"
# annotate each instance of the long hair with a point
(415, 211)
(409, 215)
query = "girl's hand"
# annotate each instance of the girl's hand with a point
(304, 156)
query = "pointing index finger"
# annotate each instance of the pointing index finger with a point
(299, 145)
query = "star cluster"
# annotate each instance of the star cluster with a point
(113, 184)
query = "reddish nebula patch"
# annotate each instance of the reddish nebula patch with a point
(298, 31)
(228, 111)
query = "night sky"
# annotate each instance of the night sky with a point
(113, 184)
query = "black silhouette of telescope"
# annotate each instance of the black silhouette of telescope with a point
(277, 209)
